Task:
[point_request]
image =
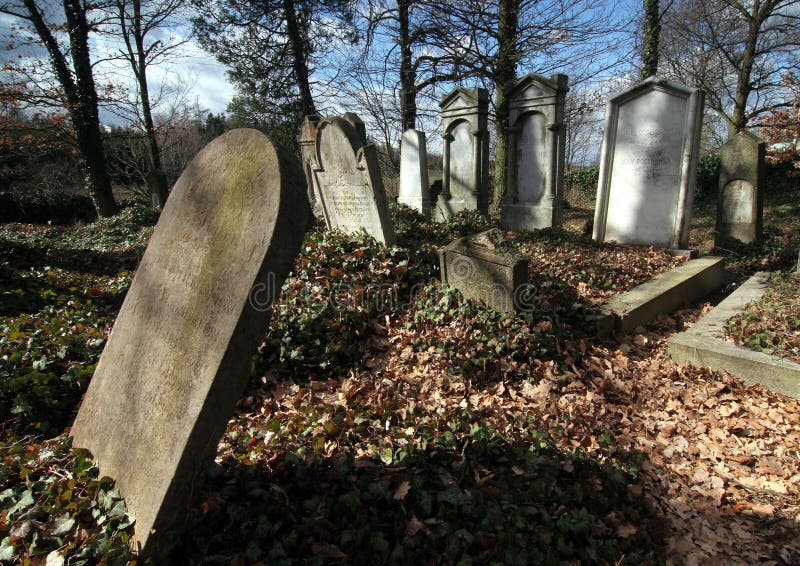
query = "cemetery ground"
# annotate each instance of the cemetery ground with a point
(388, 420)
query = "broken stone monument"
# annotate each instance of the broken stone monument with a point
(465, 183)
(414, 190)
(307, 139)
(349, 182)
(741, 174)
(535, 153)
(179, 355)
(648, 164)
(486, 267)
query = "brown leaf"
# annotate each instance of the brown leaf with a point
(402, 490)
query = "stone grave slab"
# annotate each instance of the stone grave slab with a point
(414, 189)
(465, 129)
(535, 150)
(178, 357)
(349, 182)
(648, 164)
(741, 174)
(486, 267)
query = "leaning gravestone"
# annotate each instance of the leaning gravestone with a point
(349, 182)
(465, 155)
(179, 354)
(414, 189)
(740, 205)
(307, 139)
(535, 164)
(648, 164)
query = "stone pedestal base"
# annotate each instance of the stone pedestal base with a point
(419, 204)
(520, 217)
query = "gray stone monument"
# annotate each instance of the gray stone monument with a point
(535, 153)
(648, 164)
(741, 173)
(465, 183)
(414, 189)
(178, 357)
(307, 139)
(349, 182)
(486, 267)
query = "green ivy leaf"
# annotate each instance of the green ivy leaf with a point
(6, 549)
(25, 501)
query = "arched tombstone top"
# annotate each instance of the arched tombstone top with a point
(349, 182)
(178, 357)
(742, 157)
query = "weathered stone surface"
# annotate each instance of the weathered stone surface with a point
(307, 139)
(465, 183)
(487, 268)
(648, 164)
(179, 354)
(535, 149)
(414, 190)
(740, 205)
(664, 293)
(349, 182)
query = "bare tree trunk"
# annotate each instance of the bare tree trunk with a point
(81, 98)
(299, 60)
(652, 32)
(156, 179)
(408, 88)
(505, 72)
(743, 86)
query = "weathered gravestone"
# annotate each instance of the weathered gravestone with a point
(465, 184)
(414, 189)
(307, 139)
(740, 205)
(535, 150)
(179, 354)
(648, 164)
(349, 182)
(486, 267)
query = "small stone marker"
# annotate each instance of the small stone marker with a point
(179, 354)
(307, 139)
(648, 164)
(349, 181)
(535, 164)
(414, 189)
(465, 183)
(487, 268)
(741, 173)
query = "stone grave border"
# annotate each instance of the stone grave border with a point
(704, 345)
(662, 294)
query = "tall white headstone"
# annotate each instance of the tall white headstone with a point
(414, 189)
(465, 183)
(648, 164)
(535, 150)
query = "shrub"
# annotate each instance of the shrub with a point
(707, 176)
(44, 207)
